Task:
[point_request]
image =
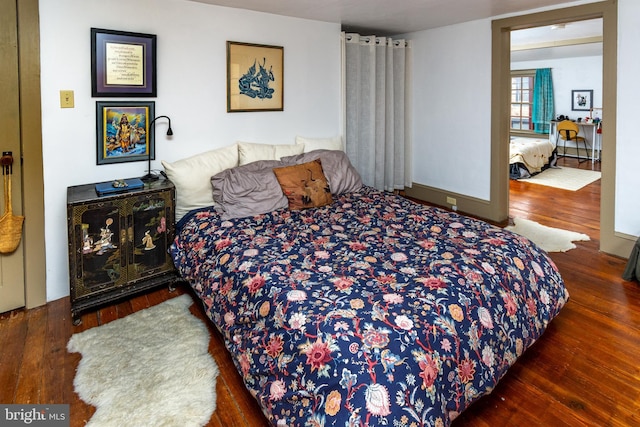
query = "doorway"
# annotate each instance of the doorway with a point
(21, 132)
(571, 54)
(11, 264)
(501, 29)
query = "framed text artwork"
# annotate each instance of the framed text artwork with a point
(123, 131)
(255, 74)
(122, 64)
(581, 100)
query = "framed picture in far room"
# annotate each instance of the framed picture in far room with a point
(581, 100)
(254, 77)
(123, 131)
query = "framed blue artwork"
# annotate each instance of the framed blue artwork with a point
(255, 74)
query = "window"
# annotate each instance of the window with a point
(522, 100)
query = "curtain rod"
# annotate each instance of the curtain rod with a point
(349, 37)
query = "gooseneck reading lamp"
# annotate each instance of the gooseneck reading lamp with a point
(150, 176)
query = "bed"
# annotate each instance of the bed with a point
(529, 156)
(369, 309)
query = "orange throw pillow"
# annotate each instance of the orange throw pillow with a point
(304, 185)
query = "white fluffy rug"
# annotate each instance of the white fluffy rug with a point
(565, 178)
(151, 368)
(548, 238)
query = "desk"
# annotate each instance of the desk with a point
(588, 130)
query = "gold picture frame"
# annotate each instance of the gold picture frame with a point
(255, 77)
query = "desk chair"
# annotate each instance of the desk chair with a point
(568, 131)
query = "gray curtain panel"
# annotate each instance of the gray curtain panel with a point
(376, 110)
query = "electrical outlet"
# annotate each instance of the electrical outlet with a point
(66, 99)
(451, 200)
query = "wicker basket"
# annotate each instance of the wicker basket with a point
(10, 224)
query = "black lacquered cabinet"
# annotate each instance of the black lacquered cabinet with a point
(118, 244)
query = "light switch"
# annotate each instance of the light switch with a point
(66, 99)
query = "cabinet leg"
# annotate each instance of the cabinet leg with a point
(172, 286)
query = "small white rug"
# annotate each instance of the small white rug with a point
(548, 238)
(565, 178)
(151, 368)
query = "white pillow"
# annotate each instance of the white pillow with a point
(249, 152)
(192, 177)
(285, 150)
(312, 144)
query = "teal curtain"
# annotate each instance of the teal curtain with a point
(542, 113)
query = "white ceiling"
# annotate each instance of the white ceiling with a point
(388, 17)
(391, 17)
(572, 39)
(571, 31)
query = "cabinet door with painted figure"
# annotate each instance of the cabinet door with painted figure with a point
(99, 241)
(149, 235)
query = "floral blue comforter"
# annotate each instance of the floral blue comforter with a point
(372, 311)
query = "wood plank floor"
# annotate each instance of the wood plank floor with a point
(584, 371)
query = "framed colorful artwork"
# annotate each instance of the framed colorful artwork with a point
(123, 131)
(255, 74)
(122, 64)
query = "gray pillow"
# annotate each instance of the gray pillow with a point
(340, 173)
(248, 190)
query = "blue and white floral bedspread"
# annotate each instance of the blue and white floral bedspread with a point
(372, 311)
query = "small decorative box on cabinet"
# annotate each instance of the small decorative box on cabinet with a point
(118, 244)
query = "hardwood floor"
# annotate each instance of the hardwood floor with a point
(584, 371)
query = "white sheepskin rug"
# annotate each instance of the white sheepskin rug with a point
(151, 368)
(548, 238)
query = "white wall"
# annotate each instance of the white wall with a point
(451, 132)
(452, 98)
(570, 74)
(452, 108)
(627, 217)
(191, 69)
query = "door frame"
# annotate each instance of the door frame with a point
(610, 242)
